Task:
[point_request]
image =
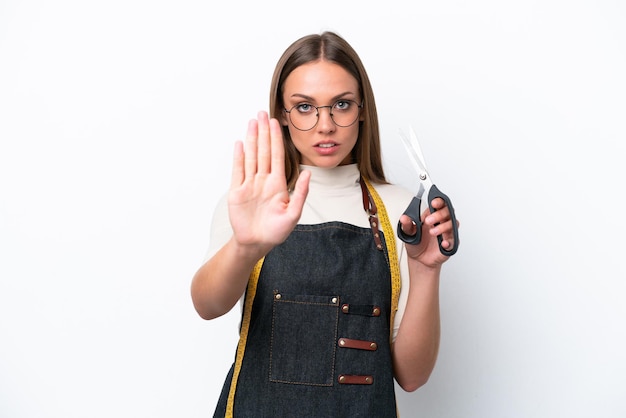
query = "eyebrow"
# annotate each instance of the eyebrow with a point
(311, 99)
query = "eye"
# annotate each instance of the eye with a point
(342, 105)
(304, 108)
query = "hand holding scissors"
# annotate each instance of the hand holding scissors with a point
(427, 188)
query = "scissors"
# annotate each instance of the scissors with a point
(428, 188)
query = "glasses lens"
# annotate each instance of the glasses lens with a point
(304, 116)
(345, 113)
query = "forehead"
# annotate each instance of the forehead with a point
(319, 80)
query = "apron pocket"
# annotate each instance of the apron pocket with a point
(304, 339)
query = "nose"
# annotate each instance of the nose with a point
(325, 120)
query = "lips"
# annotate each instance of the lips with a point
(326, 149)
(326, 145)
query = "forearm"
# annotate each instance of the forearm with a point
(417, 343)
(221, 281)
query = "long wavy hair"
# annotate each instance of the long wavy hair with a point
(330, 47)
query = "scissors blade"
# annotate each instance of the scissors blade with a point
(418, 150)
(415, 154)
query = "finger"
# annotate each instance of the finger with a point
(408, 226)
(263, 144)
(238, 172)
(448, 232)
(447, 244)
(449, 240)
(438, 203)
(278, 148)
(250, 156)
(300, 191)
(438, 216)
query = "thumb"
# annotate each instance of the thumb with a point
(300, 192)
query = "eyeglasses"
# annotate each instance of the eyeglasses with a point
(304, 116)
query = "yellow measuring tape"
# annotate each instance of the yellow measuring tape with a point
(243, 335)
(394, 267)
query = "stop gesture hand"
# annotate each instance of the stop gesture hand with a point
(261, 210)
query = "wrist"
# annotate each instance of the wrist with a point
(421, 269)
(248, 253)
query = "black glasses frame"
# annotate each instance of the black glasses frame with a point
(330, 110)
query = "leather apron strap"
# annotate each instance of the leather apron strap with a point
(392, 253)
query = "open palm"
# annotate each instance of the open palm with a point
(262, 212)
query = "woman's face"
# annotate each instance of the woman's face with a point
(321, 83)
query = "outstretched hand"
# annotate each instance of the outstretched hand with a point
(262, 213)
(436, 223)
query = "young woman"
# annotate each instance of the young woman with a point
(334, 305)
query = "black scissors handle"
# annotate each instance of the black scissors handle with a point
(413, 212)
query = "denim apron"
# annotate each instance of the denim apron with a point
(315, 333)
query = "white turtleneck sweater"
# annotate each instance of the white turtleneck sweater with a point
(335, 195)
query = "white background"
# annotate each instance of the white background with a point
(117, 123)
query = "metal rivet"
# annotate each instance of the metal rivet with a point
(373, 346)
(334, 300)
(376, 311)
(277, 296)
(342, 342)
(374, 224)
(345, 308)
(342, 379)
(368, 380)
(380, 247)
